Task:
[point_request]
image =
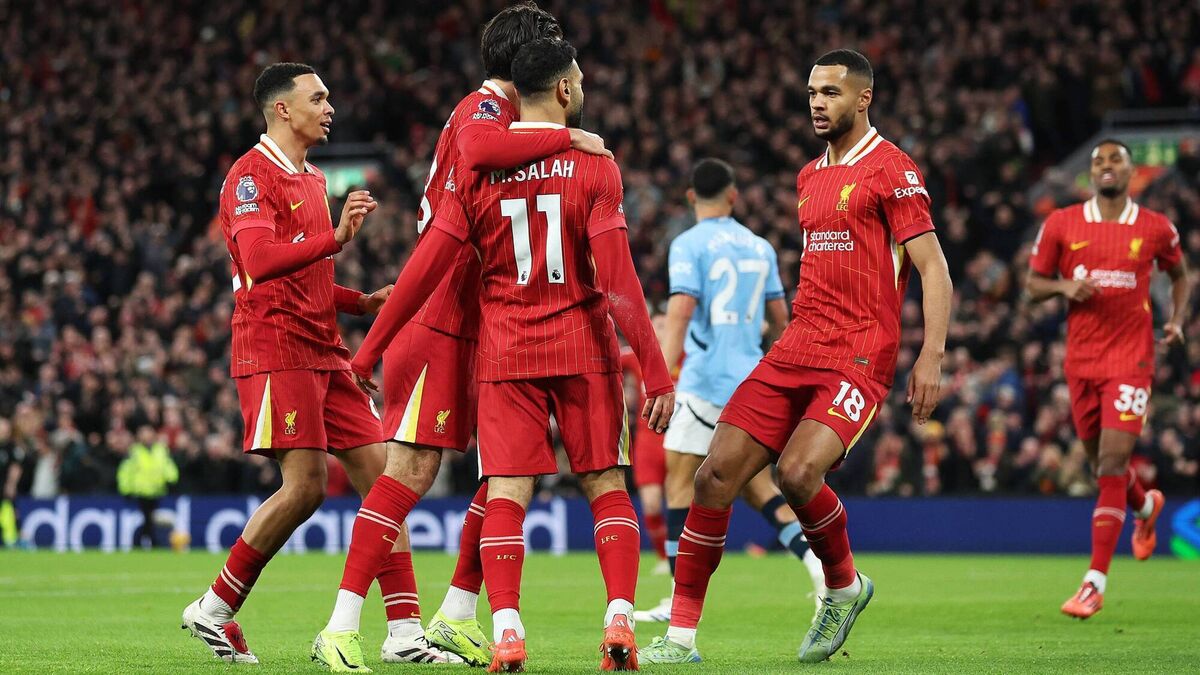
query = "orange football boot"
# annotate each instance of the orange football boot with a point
(508, 655)
(619, 646)
(1085, 603)
(1144, 537)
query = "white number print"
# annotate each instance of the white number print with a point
(1132, 399)
(852, 404)
(719, 311)
(517, 211)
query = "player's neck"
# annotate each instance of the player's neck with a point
(1111, 208)
(543, 112)
(292, 147)
(509, 89)
(840, 146)
(709, 211)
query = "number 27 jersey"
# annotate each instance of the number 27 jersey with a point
(544, 314)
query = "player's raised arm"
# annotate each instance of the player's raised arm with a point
(264, 258)
(936, 290)
(490, 147)
(417, 280)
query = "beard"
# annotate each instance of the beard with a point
(575, 118)
(837, 128)
(1112, 190)
(323, 140)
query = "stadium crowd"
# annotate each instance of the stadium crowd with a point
(119, 122)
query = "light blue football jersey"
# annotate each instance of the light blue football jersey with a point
(732, 273)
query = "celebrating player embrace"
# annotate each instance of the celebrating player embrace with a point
(1105, 251)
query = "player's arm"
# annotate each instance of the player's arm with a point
(680, 308)
(777, 318)
(11, 481)
(487, 146)
(417, 281)
(936, 291)
(264, 259)
(1172, 260)
(627, 303)
(357, 303)
(1042, 282)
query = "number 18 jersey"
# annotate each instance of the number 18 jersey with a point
(543, 313)
(731, 272)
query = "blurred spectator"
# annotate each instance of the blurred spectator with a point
(145, 475)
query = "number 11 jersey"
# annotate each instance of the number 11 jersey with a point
(544, 314)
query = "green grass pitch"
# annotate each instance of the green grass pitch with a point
(109, 613)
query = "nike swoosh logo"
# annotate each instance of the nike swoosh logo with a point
(390, 541)
(681, 553)
(343, 658)
(833, 411)
(1126, 417)
(802, 201)
(1076, 245)
(297, 204)
(470, 639)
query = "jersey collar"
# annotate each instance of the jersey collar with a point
(531, 126)
(861, 149)
(490, 87)
(1129, 215)
(273, 152)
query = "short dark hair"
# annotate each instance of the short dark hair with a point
(540, 64)
(510, 30)
(276, 79)
(856, 63)
(710, 177)
(1113, 141)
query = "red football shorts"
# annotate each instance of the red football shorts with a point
(319, 409)
(773, 400)
(429, 389)
(1117, 403)
(649, 457)
(514, 424)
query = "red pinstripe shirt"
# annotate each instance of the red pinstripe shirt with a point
(543, 312)
(287, 323)
(1111, 333)
(855, 217)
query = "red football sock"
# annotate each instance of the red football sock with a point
(617, 548)
(238, 575)
(502, 552)
(823, 520)
(656, 527)
(700, 549)
(1135, 494)
(398, 585)
(375, 530)
(468, 573)
(1107, 520)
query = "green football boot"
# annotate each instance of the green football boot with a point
(464, 638)
(662, 650)
(340, 652)
(832, 624)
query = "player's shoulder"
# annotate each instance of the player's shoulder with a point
(1067, 215)
(487, 103)
(251, 175)
(1151, 217)
(887, 155)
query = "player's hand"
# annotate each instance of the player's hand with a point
(370, 304)
(657, 411)
(1172, 335)
(366, 384)
(588, 142)
(924, 384)
(358, 204)
(1078, 290)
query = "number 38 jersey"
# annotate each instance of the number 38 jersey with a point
(543, 312)
(731, 272)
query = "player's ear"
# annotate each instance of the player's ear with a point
(564, 92)
(281, 110)
(732, 194)
(864, 99)
(691, 197)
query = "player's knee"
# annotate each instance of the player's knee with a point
(800, 480)
(714, 486)
(1112, 466)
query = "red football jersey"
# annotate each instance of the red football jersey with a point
(454, 306)
(1111, 333)
(854, 218)
(288, 323)
(543, 314)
